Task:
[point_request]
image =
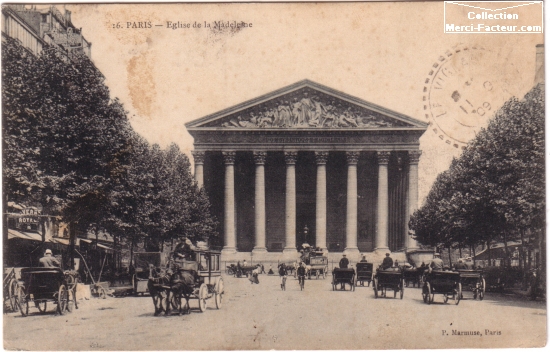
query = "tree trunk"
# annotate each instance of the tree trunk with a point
(489, 251)
(72, 239)
(474, 257)
(460, 251)
(450, 259)
(506, 254)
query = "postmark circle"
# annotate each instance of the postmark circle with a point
(461, 94)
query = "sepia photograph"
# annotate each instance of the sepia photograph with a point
(273, 175)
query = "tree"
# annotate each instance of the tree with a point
(495, 190)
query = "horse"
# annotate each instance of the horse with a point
(182, 285)
(158, 284)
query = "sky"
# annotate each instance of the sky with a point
(380, 52)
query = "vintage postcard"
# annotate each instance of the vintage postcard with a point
(287, 176)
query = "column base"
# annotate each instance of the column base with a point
(352, 254)
(259, 250)
(229, 251)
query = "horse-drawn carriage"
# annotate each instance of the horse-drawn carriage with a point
(43, 285)
(342, 277)
(318, 266)
(198, 279)
(364, 274)
(446, 283)
(413, 276)
(392, 279)
(474, 281)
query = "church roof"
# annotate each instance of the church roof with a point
(306, 105)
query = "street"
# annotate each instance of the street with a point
(264, 317)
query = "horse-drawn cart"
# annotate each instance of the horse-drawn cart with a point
(199, 278)
(343, 277)
(474, 281)
(446, 283)
(364, 274)
(43, 285)
(318, 266)
(389, 279)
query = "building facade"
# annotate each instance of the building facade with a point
(36, 28)
(309, 164)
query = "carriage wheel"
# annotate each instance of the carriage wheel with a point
(317, 274)
(42, 306)
(325, 271)
(22, 302)
(375, 288)
(219, 293)
(458, 294)
(13, 292)
(62, 299)
(430, 294)
(203, 295)
(482, 290)
(402, 291)
(425, 293)
(352, 283)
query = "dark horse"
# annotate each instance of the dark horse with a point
(182, 285)
(168, 287)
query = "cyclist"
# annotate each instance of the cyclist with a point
(302, 274)
(283, 274)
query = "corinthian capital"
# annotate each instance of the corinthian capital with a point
(383, 157)
(290, 157)
(321, 157)
(352, 157)
(198, 157)
(229, 158)
(259, 157)
(414, 156)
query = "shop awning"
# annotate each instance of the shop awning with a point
(99, 244)
(33, 236)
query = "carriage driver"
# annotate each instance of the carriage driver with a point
(437, 263)
(49, 261)
(184, 250)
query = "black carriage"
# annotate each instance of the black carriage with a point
(446, 283)
(412, 276)
(208, 279)
(318, 266)
(364, 274)
(343, 277)
(389, 279)
(474, 281)
(43, 285)
(244, 270)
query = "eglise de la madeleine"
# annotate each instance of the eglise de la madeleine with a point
(309, 164)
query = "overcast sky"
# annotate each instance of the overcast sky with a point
(379, 52)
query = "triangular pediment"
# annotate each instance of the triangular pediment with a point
(306, 104)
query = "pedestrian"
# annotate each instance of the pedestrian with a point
(344, 262)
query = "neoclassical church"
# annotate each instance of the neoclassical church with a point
(309, 164)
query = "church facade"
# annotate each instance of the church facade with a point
(309, 164)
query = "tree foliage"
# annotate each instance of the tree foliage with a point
(69, 147)
(496, 189)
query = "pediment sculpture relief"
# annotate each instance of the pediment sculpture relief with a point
(306, 112)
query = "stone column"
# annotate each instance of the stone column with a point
(290, 208)
(230, 241)
(382, 221)
(198, 157)
(351, 208)
(414, 158)
(259, 205)
(321, 201)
